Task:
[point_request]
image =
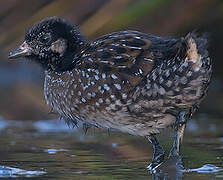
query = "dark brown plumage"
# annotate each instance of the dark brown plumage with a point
(127, 81)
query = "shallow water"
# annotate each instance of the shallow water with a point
(51, 150)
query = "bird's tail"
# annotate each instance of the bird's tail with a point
(195, 49)
(201, 43)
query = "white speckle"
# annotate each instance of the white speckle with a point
(103, 75)
(185, 64)
(100, 50)
(148, 86)
(161, 80)
(127, 55)
(124, 96)
(87, 75)
(167, 73)
(162, 91)
(111, 49)
(107, 101)
(113, 96)
(99, 87)
(96, 77)
(189, 73)
(169, 83)
(79, 93)
(138, 48)
(118, 57)
(159, 71)
(83, 100)
(107, 88)
(154, 76)
(85, 87)
(117, 86)
(100, 100)
(75, 86)
(180, 69)
(114, 76)
(85, 55)
(72, 92)
(137, 37)
(89, 95)
(93, 94)
(115, 44)
(106, 62)
(122, 66)
(174, 68)
(92, 83)
(102, 91)
(96, 71)
(140, 71)
(114, 36)
(118, 102)
(183, 80)
(97, 104)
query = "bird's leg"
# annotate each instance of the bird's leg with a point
(179, 127)
(158, 153)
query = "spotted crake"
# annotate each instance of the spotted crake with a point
(128, 81)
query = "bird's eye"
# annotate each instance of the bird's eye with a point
(45, 38)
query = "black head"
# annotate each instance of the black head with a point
(52, 42)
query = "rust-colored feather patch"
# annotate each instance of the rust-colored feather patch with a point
(192, 54)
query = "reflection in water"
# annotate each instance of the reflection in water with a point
(63, 153)
(54, 151)
(52, 126)
(7, 172)
(207, 168)
(173, 169)
(170, 169)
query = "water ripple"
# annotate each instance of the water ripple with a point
(6, 172)
(207, 168)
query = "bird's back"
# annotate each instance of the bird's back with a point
(132, 82)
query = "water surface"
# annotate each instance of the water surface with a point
(50, 150)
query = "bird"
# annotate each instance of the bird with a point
(127, 81)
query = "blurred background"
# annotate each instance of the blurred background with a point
(21, 81)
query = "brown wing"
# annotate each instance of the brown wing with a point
(115, 64)
(122, 57)
(128, 55)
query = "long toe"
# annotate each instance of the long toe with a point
(157, 161)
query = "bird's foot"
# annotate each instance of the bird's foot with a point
(172, 168)
(156, 162)
(158, 155)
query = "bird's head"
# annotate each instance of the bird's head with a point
(52, 42)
